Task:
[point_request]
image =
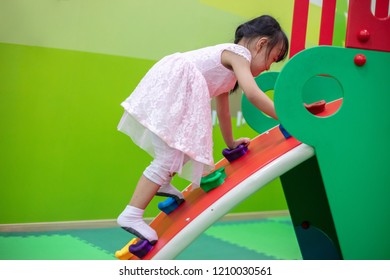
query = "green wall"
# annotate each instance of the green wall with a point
(65, 66)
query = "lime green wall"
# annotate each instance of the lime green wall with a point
(137, 28)
(65, 67)
(62, 157)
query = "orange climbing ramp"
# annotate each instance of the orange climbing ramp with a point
(269, 156)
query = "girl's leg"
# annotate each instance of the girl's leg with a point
(144, 192)
(168, 190)
(157, 174)
(171, 159)
(131, 219)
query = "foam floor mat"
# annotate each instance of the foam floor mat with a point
(263, 239)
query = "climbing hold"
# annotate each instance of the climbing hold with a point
(213, 180)
(124, 253)
(284, 132)
(141, 248)
(170, 204)
(316, 107)
(233, 154)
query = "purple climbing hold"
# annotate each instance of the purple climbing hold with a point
(233, 154)
(141, 248)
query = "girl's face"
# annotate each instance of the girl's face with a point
(261, 60)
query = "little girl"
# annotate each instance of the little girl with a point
(169, 113)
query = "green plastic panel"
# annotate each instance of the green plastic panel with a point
(319, 87)
(308, 204)
(351, 145)
(256, 119)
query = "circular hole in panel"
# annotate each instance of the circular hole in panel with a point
(322, 95)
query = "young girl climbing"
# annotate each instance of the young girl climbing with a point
(169, 112)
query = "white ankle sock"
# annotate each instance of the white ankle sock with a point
(170, 191)
(131, 220)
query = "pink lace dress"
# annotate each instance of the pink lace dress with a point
(173, 101)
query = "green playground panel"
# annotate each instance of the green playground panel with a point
(351, 145)
(310, 213)
(326, 88)
(256, 119)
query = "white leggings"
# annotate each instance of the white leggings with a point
(166, 163)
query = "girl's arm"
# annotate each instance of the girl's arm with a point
(255, 95)
(225, 123)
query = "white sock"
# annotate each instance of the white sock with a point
(170, 191)
(131, 220)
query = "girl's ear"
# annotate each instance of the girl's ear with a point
(261, 42)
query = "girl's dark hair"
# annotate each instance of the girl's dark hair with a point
(264, 26)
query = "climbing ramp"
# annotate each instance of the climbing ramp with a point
(269, 156)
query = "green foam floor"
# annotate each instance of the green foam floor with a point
(275, 237)
(264, 239)
(209, 248)
(49, 247)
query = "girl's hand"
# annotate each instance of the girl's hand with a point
(240, 141)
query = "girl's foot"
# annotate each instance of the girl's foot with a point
(131, 220)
